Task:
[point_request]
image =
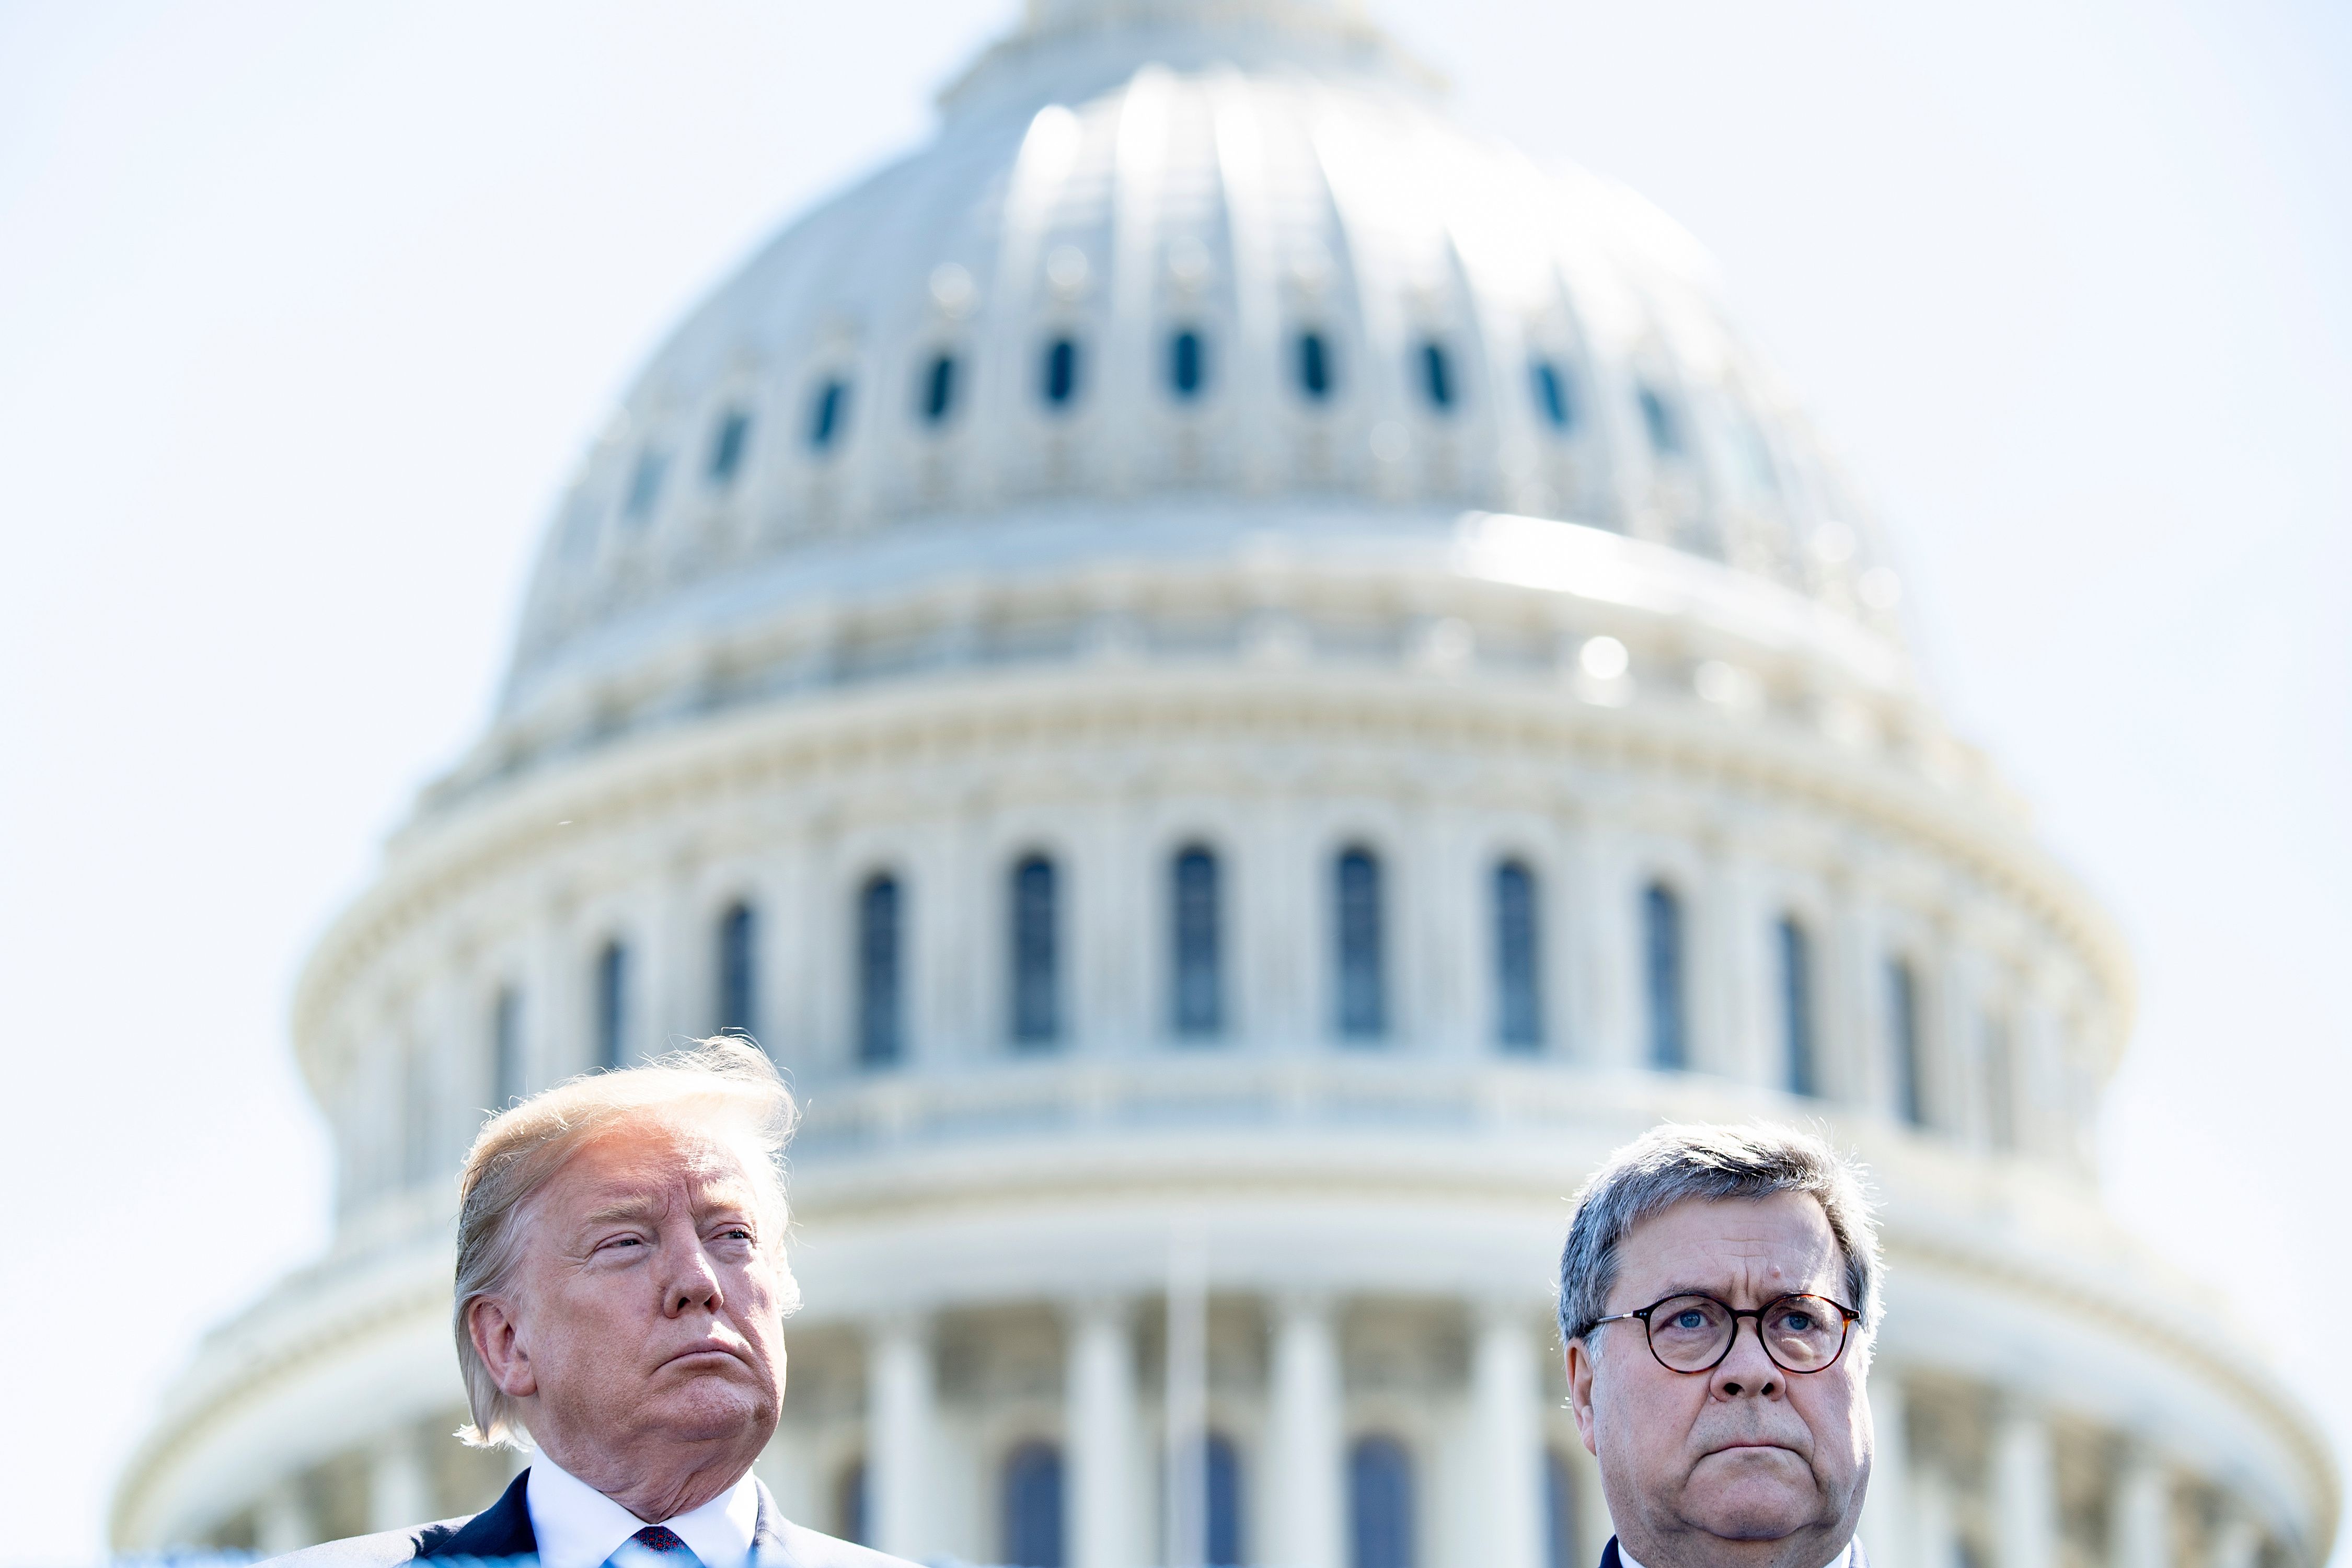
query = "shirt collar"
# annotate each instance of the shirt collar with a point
(1844, 1559)
(579, 1527)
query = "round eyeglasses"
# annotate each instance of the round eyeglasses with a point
(1694, 1333)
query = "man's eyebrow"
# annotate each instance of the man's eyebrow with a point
(725, 1195)
(619, 1208)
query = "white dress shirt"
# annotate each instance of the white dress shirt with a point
(579, 1527)
(1843, 1560)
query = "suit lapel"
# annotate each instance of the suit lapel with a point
(501, 1529)
(767, 1533)
(1609, 1555)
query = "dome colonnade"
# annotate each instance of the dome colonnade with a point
(1239, 685)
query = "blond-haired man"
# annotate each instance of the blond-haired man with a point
(621, 1292)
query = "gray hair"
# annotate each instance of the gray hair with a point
(725, 1083)
(1674, 1163)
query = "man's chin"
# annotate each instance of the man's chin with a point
(712, 1407)
(1753, 1494)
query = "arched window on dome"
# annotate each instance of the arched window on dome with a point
(829, 411)
(1437, 376)
(1560, 1533)
(1188, 363)
(1800, 1050)
(1036, 958)
(1553, 400)
(1032, 1490)
(1659, 421)
(646, 485)
(613, 1005)
(1663, 985)
(1060, 372)
(849, 1502)
(1518, 994)
(1196, 968)
(509, 1079)
(1316, 374)
(1379, 1504)
(1361, 987)
(937, 395)
(730, 438)
(881, 991)
(1903, 1041)
(738, 971)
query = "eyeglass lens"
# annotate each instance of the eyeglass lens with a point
(1691, 1333)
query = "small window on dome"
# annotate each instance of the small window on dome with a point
(1437, 376)
(881, 988)
(728, 437)
(1363, 990)
(1314, 366)
(938, 389)
(1036, 969)
(645, 485)
(1658, 419)
(827, 410)
(1187, 364)
(1551, 395)
(1060, 371)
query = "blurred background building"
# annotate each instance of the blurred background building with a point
(1240, 683)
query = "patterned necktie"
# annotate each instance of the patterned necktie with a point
(655, 1545)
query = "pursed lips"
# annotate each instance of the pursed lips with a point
(706, 1348)
(1751, 1443)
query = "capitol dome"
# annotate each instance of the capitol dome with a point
(1230, 277)
(1240, 683)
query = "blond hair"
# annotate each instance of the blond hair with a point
(726, 1082)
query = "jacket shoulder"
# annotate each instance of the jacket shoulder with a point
(383, 1548)
(805, 1548)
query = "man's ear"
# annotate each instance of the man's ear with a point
(1580, 1391)
(498, 1340)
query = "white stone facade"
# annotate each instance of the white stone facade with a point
(1633, 644)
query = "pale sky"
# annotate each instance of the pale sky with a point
(306, 311)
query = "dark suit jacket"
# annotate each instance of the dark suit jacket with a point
(1609, 1558)
(503, 1530)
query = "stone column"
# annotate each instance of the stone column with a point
(400, 1488)
(1892, 1508)
(2139, 1532)
(2024, 1490)
(1303, 1527)
(283, 1522)
(1101, 1422)
(1608, 901)
(1510, 1440)
(899, 1416)
(1852, 1026)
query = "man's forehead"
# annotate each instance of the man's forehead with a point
(1699, 1239)
(643, 1161)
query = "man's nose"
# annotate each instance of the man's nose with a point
(1745, 1369)
(691, 1282)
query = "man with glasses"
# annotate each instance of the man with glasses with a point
(1718, 1293)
